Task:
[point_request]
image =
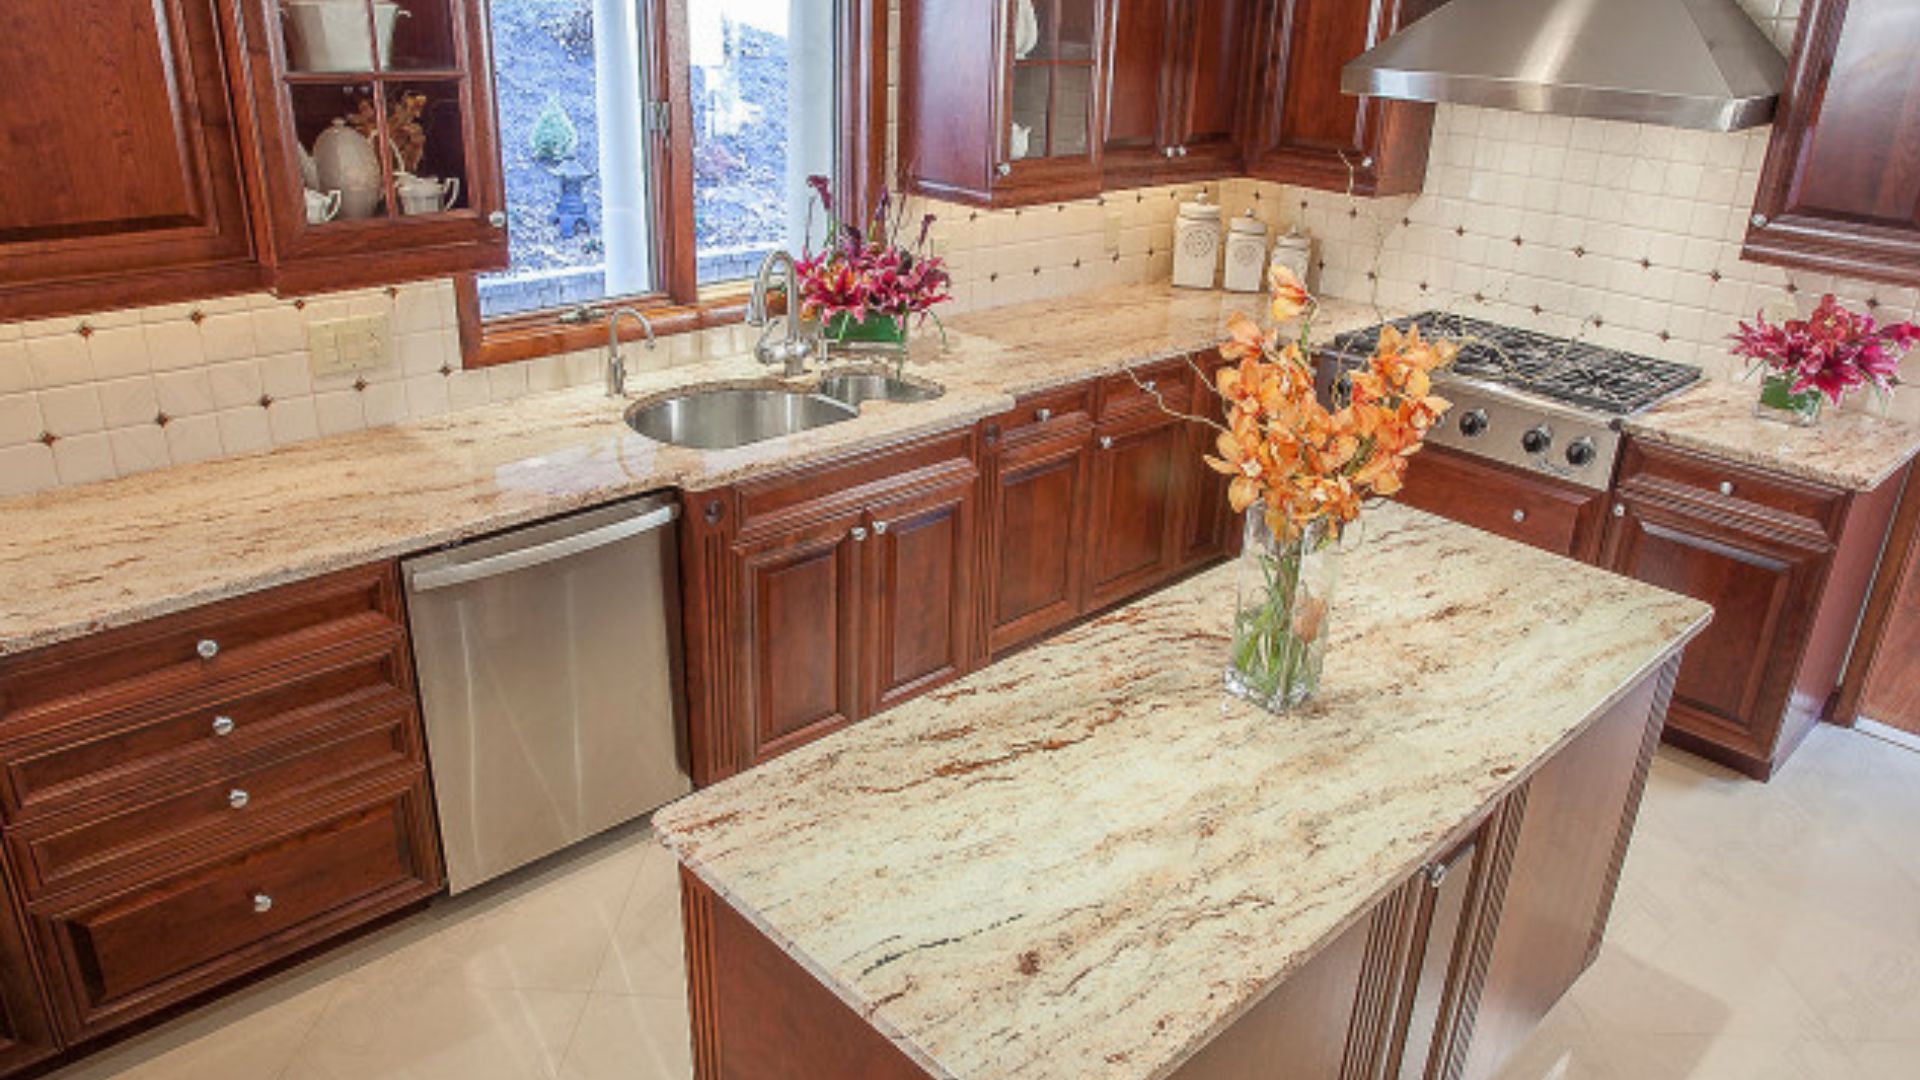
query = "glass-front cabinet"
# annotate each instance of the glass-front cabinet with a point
(1005, 111)
(375, 138)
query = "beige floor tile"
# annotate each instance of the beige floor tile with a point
(630, 1038)
(648, 954)
(382, 1031)
(250, 1037)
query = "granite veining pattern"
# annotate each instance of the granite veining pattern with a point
(79, 559)
(1087, 860)
(1848, 450)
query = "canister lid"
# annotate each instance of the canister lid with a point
(1247, 224)
(1200, 210)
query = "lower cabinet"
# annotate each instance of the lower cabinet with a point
(1040, 477)
(918, 594)
(26, 1029)
(1560, 517)
(1134, 534)
(799, 607)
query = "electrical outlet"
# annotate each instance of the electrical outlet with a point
(344, 346)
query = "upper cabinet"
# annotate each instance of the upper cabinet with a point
(181, 149)
(118, 152)
(1306, 130)
(373, 134)
(1001, 111)
(1840, 192)
(1177, 81)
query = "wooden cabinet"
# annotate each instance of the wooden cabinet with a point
(1001, 110)
(1840, 191)
(424, 98)
(1786, 565)
(1040, 484)
(188, 800)
(26, 1030)
(1177, 80)
(918, 594)
(1133, 532)
(118, 145)
(1563, 518)
(800, 602)
(1306, 131)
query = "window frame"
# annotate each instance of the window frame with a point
(682, 306)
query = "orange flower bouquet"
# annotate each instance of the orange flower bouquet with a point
(1308, 469)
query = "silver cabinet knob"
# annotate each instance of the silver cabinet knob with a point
(1620, 510)
(1043, 415)
(1436, 875)
(1519, 517)
(1149, 386)
(1106, 442)
(1760, 221)
(262, 903)
(208, 648)
(497, 219)
(1726, 487)
(1168, 152)
(223, 726)
(1366, 163)
(238, 798)
(879, 528)
(1183, 151)
(1003, 169)
(859, 533)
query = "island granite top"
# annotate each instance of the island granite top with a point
(1087, 860)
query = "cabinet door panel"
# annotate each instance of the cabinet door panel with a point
(119, 149)
(1216, 49)
(1738, 674)
(920, 593)
(800, 621)
(1841, 188)
(1133, 532)
(26, 1031)
(1140, 64)
(1037, 558)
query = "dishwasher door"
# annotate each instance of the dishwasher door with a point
(549, 664)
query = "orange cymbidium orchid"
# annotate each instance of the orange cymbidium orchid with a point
(1292, 455)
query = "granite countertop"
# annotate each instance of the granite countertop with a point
(81, 559)
(1849, 450)
(1087, 860)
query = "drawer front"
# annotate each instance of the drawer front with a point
(133, 951)
(1679, 474)
(1168, 383)
(179, 654)
(1560, 518)
(194, 737)
(98, 841)
(1045, 414)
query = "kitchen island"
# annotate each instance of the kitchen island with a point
(1086, 860)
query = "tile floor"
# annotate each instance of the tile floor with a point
(1761, 933)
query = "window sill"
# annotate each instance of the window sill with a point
(510, 340)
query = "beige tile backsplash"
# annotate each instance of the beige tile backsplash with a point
(1625, 234)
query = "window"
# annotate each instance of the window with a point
(659, 149)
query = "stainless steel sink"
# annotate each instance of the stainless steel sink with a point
(854, 387)
(723, 419)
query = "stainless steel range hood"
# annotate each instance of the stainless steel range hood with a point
(1682, 63)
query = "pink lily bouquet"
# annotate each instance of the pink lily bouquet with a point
(1832, 352)
(866, 283)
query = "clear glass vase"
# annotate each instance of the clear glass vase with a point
(1281, 615)
(1779, 403)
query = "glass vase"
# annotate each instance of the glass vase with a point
(1779, 403)
(874, 334)
(1281, 614)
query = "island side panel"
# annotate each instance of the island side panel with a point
(759, 1015)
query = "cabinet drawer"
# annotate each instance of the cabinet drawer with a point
(1539, 512)
(181, 653)
(1168, 383)
(130, 952)
(1679, 474)
(1040, 415)
(97, 841)
(194, 736)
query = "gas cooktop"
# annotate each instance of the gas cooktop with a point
(1571, 372)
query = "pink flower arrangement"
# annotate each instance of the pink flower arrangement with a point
(1833, 351)
(866, 268)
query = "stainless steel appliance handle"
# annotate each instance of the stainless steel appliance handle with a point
(442, 577)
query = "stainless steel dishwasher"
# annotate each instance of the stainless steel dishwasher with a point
(549, 662)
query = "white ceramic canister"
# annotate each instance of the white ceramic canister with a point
(1246, 254)
(1196, 244)
(1295, 252)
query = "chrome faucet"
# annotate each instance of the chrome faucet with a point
(617, 364)
(793, 350)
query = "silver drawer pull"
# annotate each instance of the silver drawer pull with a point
(208, 648)
(1149, 386)
(1620, 510)
(262, 903)
(859, 533)
(223, 726)
(1726, 487)
(1106, 442)
(1043, 415)
(879, 528)
(238, 799)
(1519, 517)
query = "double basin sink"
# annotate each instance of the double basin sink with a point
(721, 418)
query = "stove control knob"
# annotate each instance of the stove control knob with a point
(1474, 424)
(1582, 453)
(1537, 441)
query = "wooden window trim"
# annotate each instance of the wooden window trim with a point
(681, 308)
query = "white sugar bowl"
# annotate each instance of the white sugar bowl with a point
(1196, 244)
(1246, 254)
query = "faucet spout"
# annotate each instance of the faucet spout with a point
(616, 363)
(793, 349)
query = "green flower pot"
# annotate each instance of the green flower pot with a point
(1779, 403)
(873, 329)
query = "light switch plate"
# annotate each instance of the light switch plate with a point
(345, 346)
